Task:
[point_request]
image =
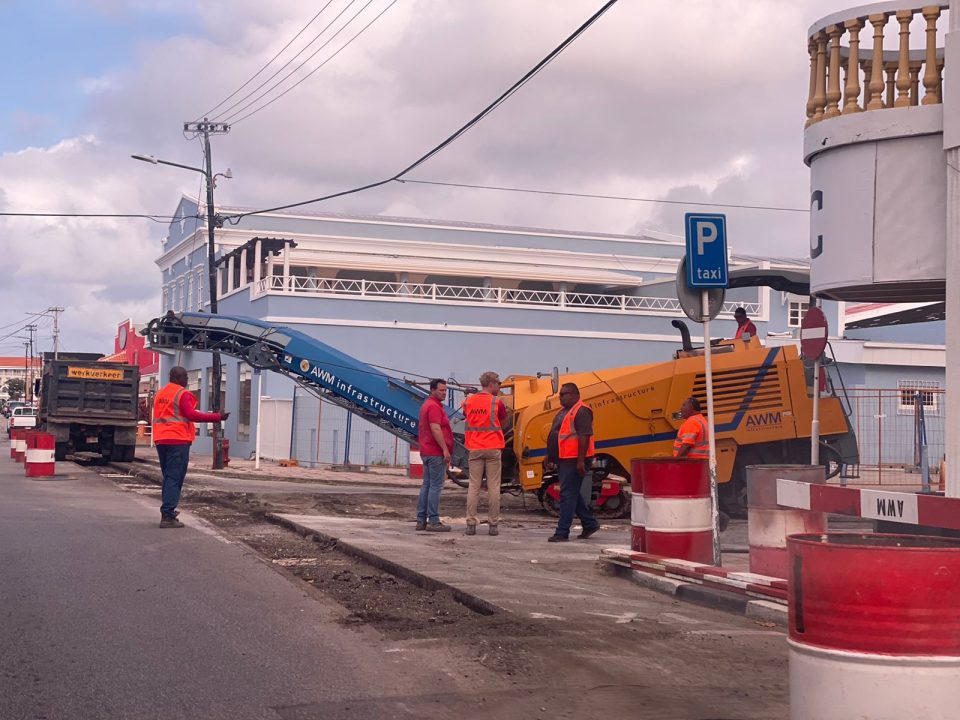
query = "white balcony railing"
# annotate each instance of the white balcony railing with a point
(457, 294)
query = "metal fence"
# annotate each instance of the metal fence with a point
(886, 422)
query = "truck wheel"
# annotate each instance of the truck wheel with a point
(60, 451)
(121, 453)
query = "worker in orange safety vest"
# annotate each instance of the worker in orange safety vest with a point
(692, 440)
(485, 416)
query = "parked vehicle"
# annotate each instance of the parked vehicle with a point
(11, 406)
(90, 407)
(23, 418)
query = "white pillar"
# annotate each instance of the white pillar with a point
(257, 257)
(951, 143)
(243, 268)
(287, 285)
(230, 273)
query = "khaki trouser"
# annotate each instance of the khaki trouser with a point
(484, 462)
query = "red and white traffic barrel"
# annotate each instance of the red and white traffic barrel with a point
(19, 445)
(638, 509)
(415, 468)
(39, 455)
(769, 525)
(874, 627)
(13, 442)
(678, 516)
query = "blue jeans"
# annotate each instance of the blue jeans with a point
(428, 505)
(571, 499)
(173, 465)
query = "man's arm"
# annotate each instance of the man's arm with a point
(503, 416)
(437, 433)
(684, 450)
(583, 423)
(188, 409)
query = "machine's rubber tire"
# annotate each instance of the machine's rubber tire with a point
(118, 453)
(60, 451)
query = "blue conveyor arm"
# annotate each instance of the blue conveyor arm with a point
(391, 403)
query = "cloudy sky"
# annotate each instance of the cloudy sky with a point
(700, 100)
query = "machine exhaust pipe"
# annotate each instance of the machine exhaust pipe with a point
(684, 334)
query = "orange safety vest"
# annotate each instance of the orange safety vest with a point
(693, 432)
(483, 431)
(168, 423)
(569, 441)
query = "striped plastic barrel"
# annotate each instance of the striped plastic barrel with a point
(416, 463)
(39, 455)
(874, 627)
(13, 442)
(677, 515)
(769, 525)
(19, 445)
(638, 509)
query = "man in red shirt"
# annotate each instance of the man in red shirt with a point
(744, 326)
(174, 412)
(436, 444)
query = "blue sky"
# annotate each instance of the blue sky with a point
(53, 49)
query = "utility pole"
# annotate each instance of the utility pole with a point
(26, 380)
(32, 329)
(56, 330)
(213, 221)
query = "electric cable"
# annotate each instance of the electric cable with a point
(224, 115)
(154, 218)
(537, 191)
(268, 63)
(234, 219)
(341, 49)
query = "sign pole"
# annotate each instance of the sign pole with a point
(256, 372)
(711, 439)
(815, 424)
(813, 342)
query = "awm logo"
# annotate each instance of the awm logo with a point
(759, 421)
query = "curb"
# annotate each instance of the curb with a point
(474, 602)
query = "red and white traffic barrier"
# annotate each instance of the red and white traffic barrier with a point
(638, 509)
(13, 443)
(874, 627)
(39, 455)
(415, 468)
(19, 445)
(677, 511)
(769, 525)
(909, 508)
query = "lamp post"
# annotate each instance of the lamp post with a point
(213, 221)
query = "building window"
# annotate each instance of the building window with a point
(165, 302)
(244, 396)
(189, 305)
(931, 396)
(796, 311)
(200, 289)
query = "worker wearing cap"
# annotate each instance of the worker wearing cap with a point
(485, 417)
(692, 440)
(744, 326)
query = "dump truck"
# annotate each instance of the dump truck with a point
(90, 407)
(762, 399)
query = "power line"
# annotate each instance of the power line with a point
(222, 115)
(154, 218)
(341, 49)
(534, 191)
(268, 63)
(234, 219)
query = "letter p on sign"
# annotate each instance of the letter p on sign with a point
(706, 233)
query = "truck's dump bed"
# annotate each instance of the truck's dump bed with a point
(90, 391)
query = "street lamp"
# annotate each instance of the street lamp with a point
(213, 221)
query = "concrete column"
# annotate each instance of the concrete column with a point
(230, 273)
(951, 141)
(287, 285)
(243, 268)
(257, 258)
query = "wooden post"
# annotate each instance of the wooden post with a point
(852, 90)
(931, 75)
(903, 64)
(876, 65)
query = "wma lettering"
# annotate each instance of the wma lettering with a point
(888, 507)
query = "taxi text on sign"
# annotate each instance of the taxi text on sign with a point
(706, 250)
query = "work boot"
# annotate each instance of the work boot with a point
(587, 532)
(421, 525)
(437, 527)
(471, 529)
(557, 538)
(170, 522)
(493, 530)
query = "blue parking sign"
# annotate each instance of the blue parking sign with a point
(706, 250)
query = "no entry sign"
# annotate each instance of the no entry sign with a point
(813, 334)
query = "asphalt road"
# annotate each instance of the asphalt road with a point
(104, 615)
